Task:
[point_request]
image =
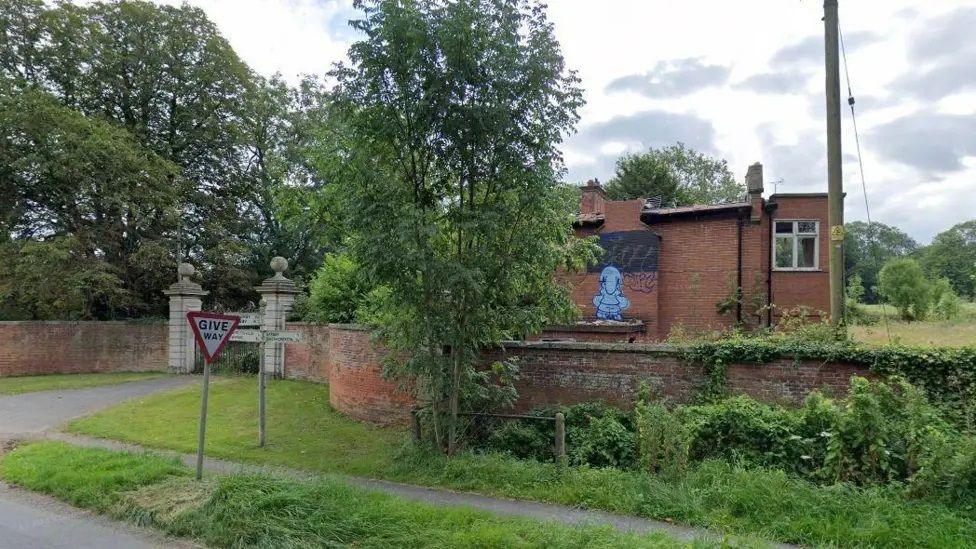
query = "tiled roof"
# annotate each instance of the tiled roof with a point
(590, 218)
(697, 208)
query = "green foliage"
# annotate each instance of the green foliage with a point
(123, 121)
(902, 283)
(952, 255)
(881, 432)
(83, 198)
(602, 442)
(740, 430)
(85, 287)
(867, 247)
(454, 115)
(677, 174)
(947, 375)
(643, 175)
(946, 304)
(338, 289)
(854, 310)
(663, 440)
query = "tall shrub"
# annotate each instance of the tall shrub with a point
(902, 283)
(455, 111)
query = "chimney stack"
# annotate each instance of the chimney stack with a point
(754, 186)
(754, 179)
(592, 197)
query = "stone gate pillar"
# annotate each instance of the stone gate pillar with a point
(278, 294)
(184, 296)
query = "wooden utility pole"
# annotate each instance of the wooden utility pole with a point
(835, 178)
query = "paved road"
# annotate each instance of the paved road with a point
(31, 413)
(29, 520)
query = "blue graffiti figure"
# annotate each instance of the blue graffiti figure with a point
(610, 301)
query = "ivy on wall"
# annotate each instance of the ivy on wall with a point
(948, 375)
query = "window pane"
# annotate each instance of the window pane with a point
(809, 227)
(784, 252)
(784, 227)
(808, 252)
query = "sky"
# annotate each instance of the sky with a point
(743, 81)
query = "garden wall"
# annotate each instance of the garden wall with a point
(346, 357)
(31, 348)
(571, 372)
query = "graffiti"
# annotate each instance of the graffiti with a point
(629, 251)
(610, 301)
(634, 254)
(640, 282)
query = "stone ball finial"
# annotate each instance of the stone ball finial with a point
(279, 264)
(185, 270)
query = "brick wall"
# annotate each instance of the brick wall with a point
(308, 359)
(32, 348)
(356, 385)
(570, 372)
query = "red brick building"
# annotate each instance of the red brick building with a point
(670, 269)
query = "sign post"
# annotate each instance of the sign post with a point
(211, 331)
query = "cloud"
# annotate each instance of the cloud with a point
(790, 81)
(943, 54)
(934, 143)
(810, 50)
(631, 133)
(800, 163)
(672, 78)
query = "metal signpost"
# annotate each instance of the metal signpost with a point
(211, 331)
(256, 335)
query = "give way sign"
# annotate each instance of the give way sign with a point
(211, 331)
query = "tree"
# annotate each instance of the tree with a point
(867, 247)
(455, 111)
(338, 289)
(952, 255)
(83, 190)
(166, 76)
(902, 283)
(643, 176)
(677, 174)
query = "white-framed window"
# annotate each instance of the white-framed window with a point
(795, 245)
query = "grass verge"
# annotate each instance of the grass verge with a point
(927, 333)
(263, 511)
(51, 382)
(304, 432)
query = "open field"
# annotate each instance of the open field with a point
(52, 382)
(304, 432)
(258, 510)
(955, 333)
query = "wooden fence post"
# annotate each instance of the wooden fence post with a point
(560, 438)
(415, 424)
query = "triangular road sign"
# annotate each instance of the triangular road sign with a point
(212, 331)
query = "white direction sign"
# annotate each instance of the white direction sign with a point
(282, 335)
(211, 331)
(247, 335)
(248, 319)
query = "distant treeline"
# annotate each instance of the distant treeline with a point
(950, 256)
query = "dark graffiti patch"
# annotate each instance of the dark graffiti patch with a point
(634, 254)
(629, 252)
